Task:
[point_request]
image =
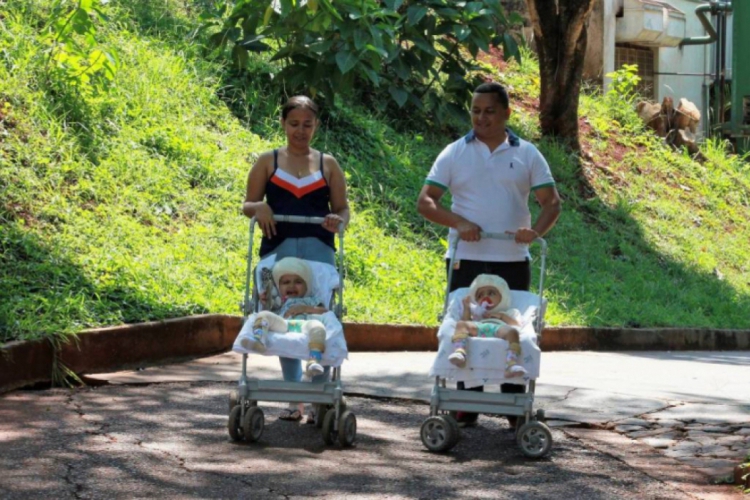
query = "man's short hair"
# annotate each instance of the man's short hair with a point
(497, 89)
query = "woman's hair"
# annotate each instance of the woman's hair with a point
(299, 102)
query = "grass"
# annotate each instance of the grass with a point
(124, 207)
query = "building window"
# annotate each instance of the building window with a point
(644, 57)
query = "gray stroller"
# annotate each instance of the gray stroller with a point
(246, 419)
(440, 431)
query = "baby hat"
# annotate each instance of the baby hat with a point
(495, 282)
(293, 265)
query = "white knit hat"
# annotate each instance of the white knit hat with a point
(495, 282)
(293, 265)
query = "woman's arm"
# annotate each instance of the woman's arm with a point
(339, 201)
(254, 206)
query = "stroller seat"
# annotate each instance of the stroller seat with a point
(486, 357)
(295, 345)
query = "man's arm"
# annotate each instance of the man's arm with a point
(428, 205)
(549, 199)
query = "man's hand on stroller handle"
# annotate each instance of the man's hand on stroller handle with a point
(468, 231)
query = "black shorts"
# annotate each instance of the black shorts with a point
(517, 274)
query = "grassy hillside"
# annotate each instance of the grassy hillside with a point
(124, 207)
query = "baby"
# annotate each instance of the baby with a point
(295, 313)
(487, 313)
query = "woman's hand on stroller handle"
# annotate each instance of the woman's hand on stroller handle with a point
(266, 220)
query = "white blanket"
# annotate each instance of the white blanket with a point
(295, 345)
(486, 357)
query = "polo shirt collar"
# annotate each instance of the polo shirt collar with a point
(513, 139)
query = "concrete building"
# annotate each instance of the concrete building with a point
(648, 33)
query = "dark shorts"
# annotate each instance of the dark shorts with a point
(517, 274)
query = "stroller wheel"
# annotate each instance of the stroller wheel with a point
(329, 437)
(347, 429)
(438, 433)
(534, 439)
(234, 400)
(253, 423)
(234, 425)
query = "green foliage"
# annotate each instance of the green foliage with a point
(392, 53)
(123, 206)
(624, 83)
(75, 55)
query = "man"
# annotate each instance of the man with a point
(490, 173)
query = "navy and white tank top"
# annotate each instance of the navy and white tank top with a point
(309, 196)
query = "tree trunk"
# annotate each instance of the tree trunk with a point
(560, 32)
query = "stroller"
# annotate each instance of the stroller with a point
(246, 419)
(440, 431)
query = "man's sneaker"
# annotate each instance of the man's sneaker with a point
(466, 419)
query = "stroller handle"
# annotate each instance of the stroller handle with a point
(246, 305)
(507, 237)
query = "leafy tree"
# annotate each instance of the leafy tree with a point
(561, 37)
(415, 53)
(74, 54)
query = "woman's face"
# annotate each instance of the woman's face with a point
(291, 285)
(488, 295)
(299, 127)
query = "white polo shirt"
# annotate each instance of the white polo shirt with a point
(491, 189)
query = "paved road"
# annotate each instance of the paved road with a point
(170, 441)
(161, 432)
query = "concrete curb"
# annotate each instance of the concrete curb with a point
(130, 346)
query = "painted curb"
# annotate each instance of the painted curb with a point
(130, 346)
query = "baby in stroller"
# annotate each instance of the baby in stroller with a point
(295, 310)
(487, 313)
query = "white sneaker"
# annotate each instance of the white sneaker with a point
(313, 369)
(515, 371)
(253, 344)
(458, 359)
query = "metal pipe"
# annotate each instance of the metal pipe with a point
(700, 11)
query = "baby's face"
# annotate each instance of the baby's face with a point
(489, 295)
(291, 285)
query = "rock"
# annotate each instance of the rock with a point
(713, 450)
(659, 442)
(628, 428)
(745, 431)
(716, 428)
(679, 454)
(687, 116)
(729, 453)
(650, 432)
(730, 440)
(688, 446)
(635, 421)
(668, 422)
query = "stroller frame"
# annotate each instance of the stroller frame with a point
(246, 419)
(440, 431)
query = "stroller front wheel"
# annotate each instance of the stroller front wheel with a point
(438, 433)
(234, 426)
(253, 424)
(534, 439)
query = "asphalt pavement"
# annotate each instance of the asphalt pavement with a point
(162, 432)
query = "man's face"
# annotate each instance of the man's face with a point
(488, 117)
(291, 285)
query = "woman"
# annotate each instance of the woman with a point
(297, 180)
